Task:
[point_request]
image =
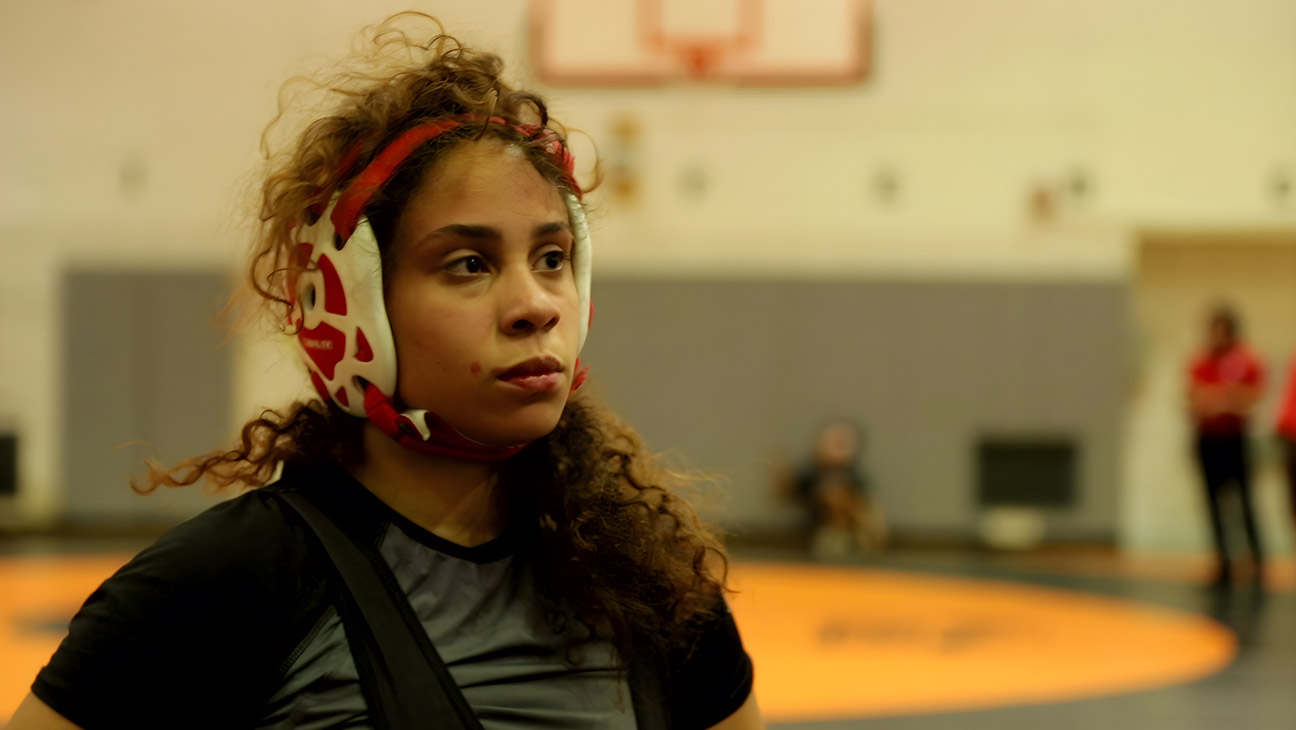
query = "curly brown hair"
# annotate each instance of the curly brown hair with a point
(610, 538)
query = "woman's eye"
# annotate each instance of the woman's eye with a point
(467, 265)
(553, 261)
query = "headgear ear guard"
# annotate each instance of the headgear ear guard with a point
(343, 332)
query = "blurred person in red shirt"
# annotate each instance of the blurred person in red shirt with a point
(1225, 382)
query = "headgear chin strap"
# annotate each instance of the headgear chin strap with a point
(343, 332)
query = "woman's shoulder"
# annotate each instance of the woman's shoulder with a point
(712, 678)
(257, 531)
(252, 539)
(217, 603)
(258, 517)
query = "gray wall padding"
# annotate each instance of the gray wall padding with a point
(735, 375)
(146, 374)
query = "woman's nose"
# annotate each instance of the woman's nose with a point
(528, 306)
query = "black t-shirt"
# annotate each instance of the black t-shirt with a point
(230, 621)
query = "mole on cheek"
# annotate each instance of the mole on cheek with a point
(475, 368)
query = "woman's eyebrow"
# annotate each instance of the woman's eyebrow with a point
(546, 229)
(481, 233)
(489, 233)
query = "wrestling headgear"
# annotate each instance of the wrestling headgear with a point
(341, 321)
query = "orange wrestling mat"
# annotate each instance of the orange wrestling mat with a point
(832, 643)
(828, 642)
(38, 596)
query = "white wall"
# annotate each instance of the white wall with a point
(128, 136)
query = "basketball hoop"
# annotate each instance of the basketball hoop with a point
(699, 52)
(699, 59)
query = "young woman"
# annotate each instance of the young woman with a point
(425, 244)
(1226, 380)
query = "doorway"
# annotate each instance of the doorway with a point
(1178, 276)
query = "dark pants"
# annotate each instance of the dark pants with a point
(1225, 462)
(1289, 460)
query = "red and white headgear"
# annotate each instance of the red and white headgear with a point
(343, 332)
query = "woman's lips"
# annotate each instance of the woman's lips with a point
(536, 383)
(539, 374)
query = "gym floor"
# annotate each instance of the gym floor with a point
(912, 640)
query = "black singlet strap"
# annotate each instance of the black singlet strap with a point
(651, 704)
(411, 686)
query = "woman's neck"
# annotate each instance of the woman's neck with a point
(456, 500)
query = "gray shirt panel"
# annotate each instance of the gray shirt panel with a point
(481, 617)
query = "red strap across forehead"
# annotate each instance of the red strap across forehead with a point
(370, 180)
(351, 203)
